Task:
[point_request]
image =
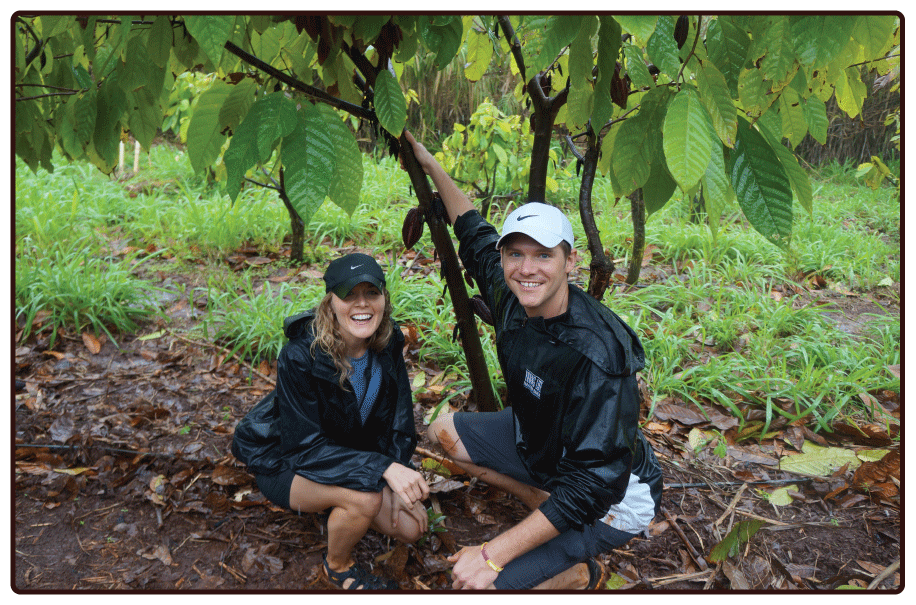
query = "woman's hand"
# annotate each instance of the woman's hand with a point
(407, 484)
(417, 512)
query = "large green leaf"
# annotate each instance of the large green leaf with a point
(778, 59)
(236, 105)
(390, 105)
(561, 31)
(159, 40)
(347, 180)
(717, 191)
(480, 51)
(688, 138)
(794, 125)
(241, 154)
(144, 116)
(308, 159)
(874, 32)
(718, 102)
(641, 26)
(277, 118)
(850, 91)
(798, 178)
(205, 138)
(735, 540)
(658, 189)
(816, 116)
(662, 47)
(632, 154)
(211, 33)
(110, 105)
(761, 185)
(636, 67)
(728, 49)
(442, 35)
(818, 39)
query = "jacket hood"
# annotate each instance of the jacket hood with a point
(295, 326)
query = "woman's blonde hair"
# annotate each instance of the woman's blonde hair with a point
(328, 339)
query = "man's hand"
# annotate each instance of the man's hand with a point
(407, 484)
(471, 571)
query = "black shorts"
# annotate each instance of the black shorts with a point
(489, 438)
(276, 487)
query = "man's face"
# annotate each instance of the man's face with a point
(537, 275)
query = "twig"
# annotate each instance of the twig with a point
(662, 580)
(732, 505)
(884, 574)
(226, 351)
(700, 561)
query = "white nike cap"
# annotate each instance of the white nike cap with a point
(546, 224)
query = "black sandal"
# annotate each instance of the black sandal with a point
(597, 574)
(362, 580)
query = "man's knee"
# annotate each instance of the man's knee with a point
(442, 431)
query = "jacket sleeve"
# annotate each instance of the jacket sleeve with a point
(477, 249)
(306, 447)
(404, 432)
(598, 436)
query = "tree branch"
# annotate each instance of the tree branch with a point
(299, 85)
(514, 46)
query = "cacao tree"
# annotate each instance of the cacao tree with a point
(710, 105)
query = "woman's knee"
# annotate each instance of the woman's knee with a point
(365, 504)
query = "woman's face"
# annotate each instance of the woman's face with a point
(358, 316)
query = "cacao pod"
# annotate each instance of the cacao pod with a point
(620, 88)
(681, 29)
(481, 309)
(412, 229)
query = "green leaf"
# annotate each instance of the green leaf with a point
(718, 102)
(636, 67)
(753, 92)
(110, 105)
(135, 71)
(798, 178)
(308, 159)
(761, 185)
(159, 40)
(347, 180)
(480, 51)
(641, 26)
(794, 126)
(818, 39)
(658, 188)
(560, 34)
(728, 49)
(688, 138)
(632, 154)
(873, 32)
(390, 104)
(819, 461)
(242, 152)
(211, 33)
(277, 118)
(850, 92)
(717, 190)
(236, 105)
(442, 35)
(204, 137)
(778, 60)
(732, 544)
(815, 112)
(662, 47)
(145, 116)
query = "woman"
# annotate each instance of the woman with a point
(337, 433)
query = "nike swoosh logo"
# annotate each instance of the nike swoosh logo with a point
(354, 267)
(521, 218)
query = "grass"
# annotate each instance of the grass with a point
(725, 329)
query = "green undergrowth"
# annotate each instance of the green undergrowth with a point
(725, 318)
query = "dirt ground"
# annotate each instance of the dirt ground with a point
(124, 481)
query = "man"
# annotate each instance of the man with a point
(569, 446)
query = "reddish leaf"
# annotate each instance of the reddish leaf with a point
(92, 343)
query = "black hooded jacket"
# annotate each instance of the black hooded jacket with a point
(311, 425)
(572, 386)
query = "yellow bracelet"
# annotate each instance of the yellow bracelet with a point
(486, 558)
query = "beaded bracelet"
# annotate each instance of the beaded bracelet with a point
(486, 558)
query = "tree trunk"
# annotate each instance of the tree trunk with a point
(638, 210)
(297, 227)
(601, 269)
(543, 116)
(481, 389)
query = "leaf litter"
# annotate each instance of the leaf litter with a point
(124, 481)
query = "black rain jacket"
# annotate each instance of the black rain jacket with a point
(311, 425)
(572, 387)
